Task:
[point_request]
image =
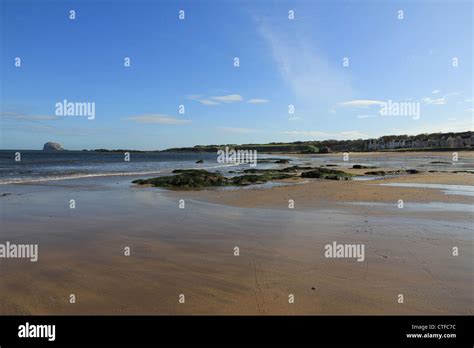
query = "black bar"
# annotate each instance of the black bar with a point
(288, 330)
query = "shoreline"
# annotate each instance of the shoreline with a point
(190, 250)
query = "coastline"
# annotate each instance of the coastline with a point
(190, 251)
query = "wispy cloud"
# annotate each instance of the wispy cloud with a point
(230, 98)
(312, 77)
(438, 101)
(27, 117)
(207, 102)
(157, 119)
(435, 101)
(217, 99)
(453, 125)
(324, 135)
(257, 101)
(366, 116)
(361, 103)
(294, 118)
(436, 91)
(237, 130)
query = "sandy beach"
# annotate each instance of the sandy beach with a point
(190, 251)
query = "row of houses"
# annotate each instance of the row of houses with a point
(437, 140)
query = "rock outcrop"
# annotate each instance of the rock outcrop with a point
(50, 146)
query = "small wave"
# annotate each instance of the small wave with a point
(93, 175)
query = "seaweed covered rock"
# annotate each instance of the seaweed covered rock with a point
(325, 173)
(360, 166)
(243, 180)
(392, 172)
(295, 169)
(199, 178)
(376, 172)
(187, 178)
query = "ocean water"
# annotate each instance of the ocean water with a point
(46, 166)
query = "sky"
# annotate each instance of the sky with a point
(335, 63)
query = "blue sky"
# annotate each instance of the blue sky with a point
(191, 62)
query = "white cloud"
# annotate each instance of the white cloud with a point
(237, 130)
(207, 102)
(257, 101)
(325, 135)
(437, 101)
(305, 133)
(293, 118)
(352, 135)
(312, 77)
(450, 126)
(27, 117)
(218, 99)
(361, 103)
(436, 91)
(230, 98)
(366, 116)
(157, 119)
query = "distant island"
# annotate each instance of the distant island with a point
(421, 142)
(51, 146)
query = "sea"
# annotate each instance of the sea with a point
(37, 165)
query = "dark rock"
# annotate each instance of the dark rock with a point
(325, 173)
(243, 180)
(200, 161)
(190, 178)
(463, 171)
(360, 166)
(50, 146)
(197, 178)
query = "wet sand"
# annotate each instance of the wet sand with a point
(190, 251)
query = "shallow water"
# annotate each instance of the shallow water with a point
(461, 190)
(431, 206)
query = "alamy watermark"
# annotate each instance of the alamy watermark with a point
(392, 108)
(232, 156)
(346, 251)
(19, 251)
(67, 108)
